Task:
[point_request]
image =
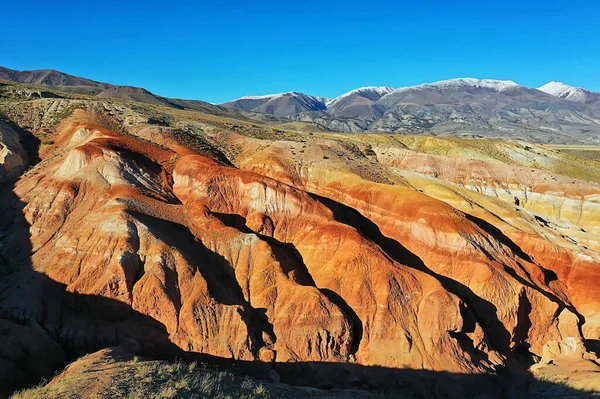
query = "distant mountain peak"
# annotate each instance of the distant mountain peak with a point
(359, 102)
(572, 93)
(267, 96)
(493, 84)
(281, 104)
(555, 87)
(382, 90)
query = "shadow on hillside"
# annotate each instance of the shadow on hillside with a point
(478, 309)
(291, 260)
(216, 271)
(549, 275)
(483, 311)
(43, 327)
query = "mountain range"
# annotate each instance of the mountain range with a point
(465, 107)
(361, 102)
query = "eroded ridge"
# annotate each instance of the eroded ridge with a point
(200, 237)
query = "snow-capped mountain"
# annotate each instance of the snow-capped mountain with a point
(462, 83)
(372, 92)
(361, 102)
(451, 91)
(463, 106)
(265, 96)
(577, 94)
(282, 104)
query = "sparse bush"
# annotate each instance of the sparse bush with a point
(168, 392)
(183, 383)
(260, 390)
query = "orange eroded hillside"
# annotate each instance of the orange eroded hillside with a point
(299, 249)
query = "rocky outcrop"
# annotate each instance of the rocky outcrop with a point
(569, 365)
(13, 157)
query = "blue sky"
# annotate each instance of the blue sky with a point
(220, 50)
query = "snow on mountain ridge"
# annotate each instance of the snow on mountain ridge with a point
(557, 89)
(288, 93)
(567, 92)
(276, 95)
(498, 85)
(554, 87)
(374, 93)
(381, 90)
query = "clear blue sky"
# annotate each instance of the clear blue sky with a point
(220, 50)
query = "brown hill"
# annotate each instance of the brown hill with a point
(49, 77)
(133, 94)
(63, 82)
(139, 94)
